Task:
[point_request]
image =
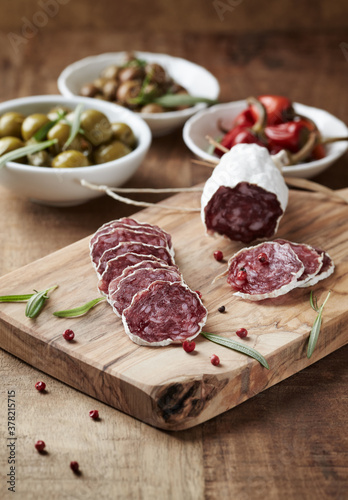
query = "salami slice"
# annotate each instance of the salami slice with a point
(127, 222)
(311, 259)
(246, 196)
(128, 259)
(133, 247)
(326, 269)
(264, 271)
(122, 234)
(145, 264)
(134, 283)
(164, 313)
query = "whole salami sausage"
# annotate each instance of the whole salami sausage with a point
(264, 271)
(246, 196)
(164, 313)
(133, 247)
(139, 280)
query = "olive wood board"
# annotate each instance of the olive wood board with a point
(165, 386)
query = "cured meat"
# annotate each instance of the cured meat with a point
(123, 261)
(311, 259)
(265, 270)
(246, 196)
(123, 234)
(139, 248)
(164, 313)
(134, 283)
(127, 222)
(326, 269)
(145, 264)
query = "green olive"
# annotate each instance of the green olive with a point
(8, 144)
(32, 124)
(110, 152)
(96, 126)
(55, 112)
(70, 159)
(61, 132)
(39, 159)
(122, 132)
(11, 124)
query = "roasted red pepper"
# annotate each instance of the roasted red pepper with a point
(279, 109)
(238, 135)
(245, 118)
(290, 136)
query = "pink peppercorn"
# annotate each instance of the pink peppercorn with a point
(189, 346)
(242, 333)
(215, 360)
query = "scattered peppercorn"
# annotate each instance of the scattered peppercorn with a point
(68, 335)
(189, 346)
(40, 445)
(242, 333)
(94, 414)
(222, 309)
(218, 255)
(215, 360)
(40, 386)
(74, 466)
(262, 257)
(242, 274)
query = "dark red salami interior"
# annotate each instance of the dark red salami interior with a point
(244, 213)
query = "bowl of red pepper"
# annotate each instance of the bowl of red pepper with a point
(312, 138)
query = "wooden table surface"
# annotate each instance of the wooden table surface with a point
(289, 441)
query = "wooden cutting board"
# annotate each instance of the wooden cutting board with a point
(165, 386)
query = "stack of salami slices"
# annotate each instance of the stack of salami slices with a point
(137, 273)
(275, 267)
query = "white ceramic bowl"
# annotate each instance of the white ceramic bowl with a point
(197, 80)
(61, 186)
(206, 123)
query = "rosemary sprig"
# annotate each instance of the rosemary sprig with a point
(78, 311)
(37, 301)
(236, 346)
(26, 150)
(16, 298)
(75, 125)
(313, 337)
(173, 100)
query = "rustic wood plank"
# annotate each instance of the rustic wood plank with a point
(166, 387)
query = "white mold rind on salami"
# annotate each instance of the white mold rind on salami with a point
(139, 280)
(133, 247)
(163, 314)
(311, 259)
(246, 196)
(325, 271)
(276, 277)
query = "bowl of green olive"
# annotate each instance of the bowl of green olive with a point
(50, 145)
(164, 90)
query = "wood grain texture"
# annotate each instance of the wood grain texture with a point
(289, 441)
(165, 387)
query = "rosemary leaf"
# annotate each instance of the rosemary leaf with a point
(16, 298)
(236, 346)
(313, 336)
(36, 302)
(78, 311)
(75, 125)
(26, 150)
